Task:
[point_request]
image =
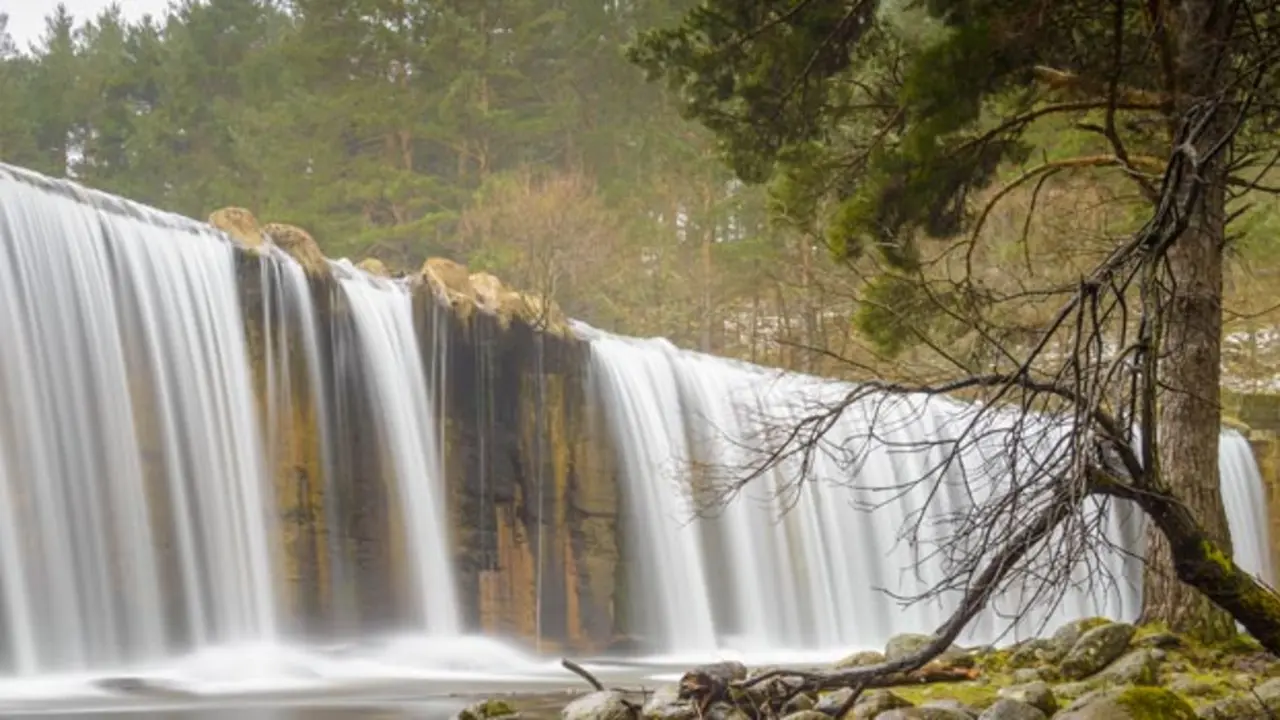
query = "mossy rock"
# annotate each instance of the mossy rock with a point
(1131, 703)
(975, 694)
(1140, 667)
(240, 224)
(1036, 694)
(860, 659)
(300, 246)
(923, 713)
(1235, 707)
(1032, 653)
(487, 710)
(1010, 709)
(374, 266)
(1096, 649)
(872, 703)
(601, 705)
(1066, 637)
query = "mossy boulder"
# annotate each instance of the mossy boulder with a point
(374, 266)
(1036, 694)
(860, 659)
(488, 710)
(874, 703)
(240, 224)
(955, 706)
(1066, 637)
(1235, 707)
(602, 705)
(1038, 651)
(300, 246)
(1010, 709)
(1140, 667)
(1130, 703)
(1096, 649)
(900, 646)
(450, 281)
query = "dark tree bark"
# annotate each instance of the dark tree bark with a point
(1190, 363)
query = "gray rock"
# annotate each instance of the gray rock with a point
(900, 646)
(1269, 693)
(1066, 637)
(1010, 709)
(1073, 690)
(1038, 651)
(1190, 686)
(798, 703)
(1236, 707)
(1036, 694)
(665, 704)
(601, 705)
(954, 706)
(922, 713)
(860, 659)
(1096, 649)
(1028, 675)
(1140, 667)
(725, 711)
(830, 703)
(1129, 703)
(1160, 640)
(806, 715)
(872, 703)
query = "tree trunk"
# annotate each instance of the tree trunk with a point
(1189, 418)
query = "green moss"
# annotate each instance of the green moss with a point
(1148, 703)
(978, 695)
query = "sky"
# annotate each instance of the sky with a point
(26, 17)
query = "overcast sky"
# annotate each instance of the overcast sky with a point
(26, 17)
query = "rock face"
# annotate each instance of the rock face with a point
(518, 426)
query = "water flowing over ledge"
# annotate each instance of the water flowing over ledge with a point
(224, 468)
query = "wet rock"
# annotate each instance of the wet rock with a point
(1130, 703)
(601, 705)
(1010, 709)
(1036, 694)
(1139, 667)
(488, 710)
(860, 659)
(1096, 649)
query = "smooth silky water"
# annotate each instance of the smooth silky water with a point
(137, 567)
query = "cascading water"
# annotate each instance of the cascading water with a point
(756, 579)
(397, 381)
(132, 488)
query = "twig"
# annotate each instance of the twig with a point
(581, 672)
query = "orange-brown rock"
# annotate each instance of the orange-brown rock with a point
(374, 266)
(451, 281)
(299, 244)
(240, 224)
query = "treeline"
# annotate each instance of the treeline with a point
(514, 136)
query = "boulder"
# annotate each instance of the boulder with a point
(1073, 690)
(1010, 709)
(240, 224)
(450, 281)
(1235, 707)
(922, 713)
(860, 659)
(829, 703)
(1096, 649)
(725, 711)
(1140, 667)
(300, 246)
(874, 703)
(900, 646)
(374, 266)
(1066, 637)
(1130, 703)
(1036, 694)
(488, 710)
(953, 705)
(1034, 652)
(1028, 675)
(665, 704)
(1191, 686)
(601, 705)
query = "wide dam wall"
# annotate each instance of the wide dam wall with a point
(213, 436)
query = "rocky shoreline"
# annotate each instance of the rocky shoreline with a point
(1092, 669)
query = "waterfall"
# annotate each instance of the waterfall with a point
(134, 517)
(397, 382)
(812, 569)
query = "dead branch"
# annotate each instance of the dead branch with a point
(581, 672)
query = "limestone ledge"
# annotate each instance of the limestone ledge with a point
(531, 487)
(452, 283)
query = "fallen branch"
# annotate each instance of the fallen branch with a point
(581, 672)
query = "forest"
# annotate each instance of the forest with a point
(519, 138)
